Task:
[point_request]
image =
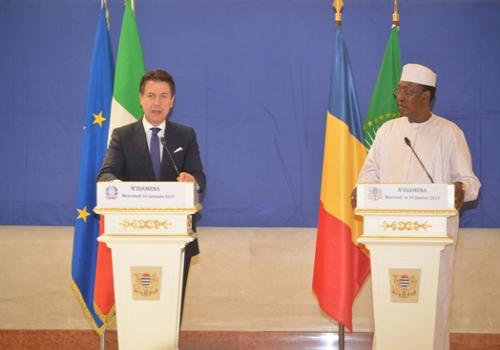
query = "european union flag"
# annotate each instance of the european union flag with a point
(95, 135)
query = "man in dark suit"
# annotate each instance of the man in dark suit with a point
(154, 148)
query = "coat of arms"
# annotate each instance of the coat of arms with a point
(374, 193)
(405, 285)
(146, 282)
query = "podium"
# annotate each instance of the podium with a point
(405, 230)
(147, 226)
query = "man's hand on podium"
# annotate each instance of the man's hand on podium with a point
(186, 177)
(459, 194)
(354, 197)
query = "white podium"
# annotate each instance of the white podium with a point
(147, 226)
(405, 229)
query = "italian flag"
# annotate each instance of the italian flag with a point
(125, 109)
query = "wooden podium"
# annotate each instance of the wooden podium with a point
(405, 229)
(147, 226)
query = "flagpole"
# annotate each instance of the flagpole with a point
(340, 264)
(102, 336)
(102, 340)
(338, 6)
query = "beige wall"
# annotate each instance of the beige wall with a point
(245, 279)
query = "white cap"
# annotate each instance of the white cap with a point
(416, 73)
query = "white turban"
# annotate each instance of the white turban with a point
(416, 73)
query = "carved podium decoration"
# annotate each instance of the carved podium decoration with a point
(405, 230)
(147, 226)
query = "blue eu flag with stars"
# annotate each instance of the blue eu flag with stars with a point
(95, 136)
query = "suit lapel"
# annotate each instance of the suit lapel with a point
(168, 172)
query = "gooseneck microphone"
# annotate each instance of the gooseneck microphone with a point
(164, 143)
(408, 143)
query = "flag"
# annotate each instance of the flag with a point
(125, 108)
(383, 106)
(95, 135)
(340, 265)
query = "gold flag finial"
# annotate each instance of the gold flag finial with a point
(395, 14)
(338, 5)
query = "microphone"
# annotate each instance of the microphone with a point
(164, 143)
(408, 143)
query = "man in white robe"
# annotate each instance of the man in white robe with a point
(443, 150)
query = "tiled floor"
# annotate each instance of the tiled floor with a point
(194, 340)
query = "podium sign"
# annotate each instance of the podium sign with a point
(147, 208)
(158, 195)
(405, 210)
(147, 226)
(405, 229)
(403, 196)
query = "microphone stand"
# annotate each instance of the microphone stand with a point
(408, 143)
(164, 143)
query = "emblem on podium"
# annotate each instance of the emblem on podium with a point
(375, 193)
(111, 192)
(405, 284)
(146, 282)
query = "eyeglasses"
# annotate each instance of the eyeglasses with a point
(407, 92)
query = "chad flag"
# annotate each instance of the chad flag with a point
(341, 265)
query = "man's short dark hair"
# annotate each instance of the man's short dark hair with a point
(157, 75)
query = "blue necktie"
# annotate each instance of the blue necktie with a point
(154, 151)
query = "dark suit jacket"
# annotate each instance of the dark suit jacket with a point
(127, 158)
